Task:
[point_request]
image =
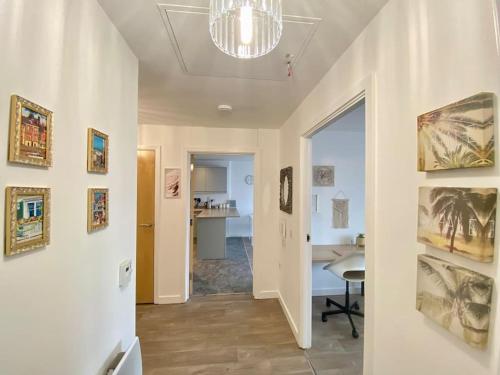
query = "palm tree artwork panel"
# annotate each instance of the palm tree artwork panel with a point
(459, 135)
(458, 220)
(456, 298)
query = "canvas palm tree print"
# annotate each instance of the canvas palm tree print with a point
(456, 298)
(460, 135)
(458, 220)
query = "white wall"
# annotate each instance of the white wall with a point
(345, 150)
(424, 54)
(342, 145)
(62, 310)
(243, 194)
(172, 259)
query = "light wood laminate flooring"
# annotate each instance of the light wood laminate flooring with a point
(237, 335)
(227, 334)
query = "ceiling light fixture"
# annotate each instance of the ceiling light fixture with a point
(246, 28)
(224, 108)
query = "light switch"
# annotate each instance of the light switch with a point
(125, 272)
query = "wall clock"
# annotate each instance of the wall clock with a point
(249, 179)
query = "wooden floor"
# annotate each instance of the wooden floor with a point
(231, 334)
(235, 334)
(334, 351)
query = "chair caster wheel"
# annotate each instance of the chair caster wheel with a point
(324, 319)
(355, 334)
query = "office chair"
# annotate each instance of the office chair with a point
(351, 269)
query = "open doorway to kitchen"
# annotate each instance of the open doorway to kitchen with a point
(337, 224)
(222, 206)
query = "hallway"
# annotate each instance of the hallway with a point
(231, 334)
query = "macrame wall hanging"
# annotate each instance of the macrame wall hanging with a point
(340, 208)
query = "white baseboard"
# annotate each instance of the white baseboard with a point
(334, 291)
(267, 294)
(288, 316)
(170, 299)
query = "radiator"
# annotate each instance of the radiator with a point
(129, 362)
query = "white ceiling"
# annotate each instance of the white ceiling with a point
(183, 77)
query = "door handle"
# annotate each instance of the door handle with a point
(145, 225)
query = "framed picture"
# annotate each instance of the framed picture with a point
(97, 151)
(323, 175)
(286, 189)
(27, 219)
(97, 209)
(456, 298)
(30, 134)
(458, 220)
(172, 183)
(460, 135)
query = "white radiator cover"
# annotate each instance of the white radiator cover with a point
(131, 361)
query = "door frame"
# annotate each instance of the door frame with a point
(365, 89)
(255, 152)
(157, 151)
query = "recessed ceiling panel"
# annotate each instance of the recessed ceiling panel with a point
(187, 27)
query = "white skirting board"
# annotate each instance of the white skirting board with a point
(288, 316)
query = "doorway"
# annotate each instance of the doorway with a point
(337, 221)
(146, 193)
(222, 207)
(362, 90)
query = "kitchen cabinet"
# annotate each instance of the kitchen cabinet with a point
(210, 179)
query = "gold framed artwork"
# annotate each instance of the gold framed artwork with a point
(30, 133)
(97, 151)
(459, 135)
(27, 219)
(97, 209)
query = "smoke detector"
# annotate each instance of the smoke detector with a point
(224, 108)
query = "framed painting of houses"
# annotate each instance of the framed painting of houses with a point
(460, 135)
(30, 133)
(97, 151)
(27, 219)
(97, 209)
(456, 298)
(458, 220)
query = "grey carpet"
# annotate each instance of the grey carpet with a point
(230, 275)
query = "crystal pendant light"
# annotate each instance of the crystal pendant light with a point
(246, 28)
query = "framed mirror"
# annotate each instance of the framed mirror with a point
(286, 189)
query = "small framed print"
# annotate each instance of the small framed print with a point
(97, 151)
(97, 209)
(27, 219)
(30, 133)
(172, 183)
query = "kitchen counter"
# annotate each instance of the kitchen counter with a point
(211, 231)
(217, 213)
